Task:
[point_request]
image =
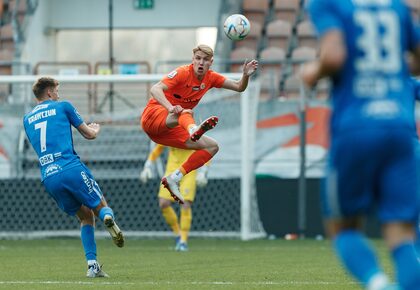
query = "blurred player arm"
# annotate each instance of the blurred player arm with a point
(249, 68)
(414, 61)
(89, 131)
(149, 169)
(332, 55)
(201, 177)
(157, 92)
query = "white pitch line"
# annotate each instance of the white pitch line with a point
(261, 283)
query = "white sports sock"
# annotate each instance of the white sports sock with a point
(91, 262)
(192, 129)
(377, 282)
(177, 175)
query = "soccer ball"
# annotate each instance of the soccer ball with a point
(237, 27)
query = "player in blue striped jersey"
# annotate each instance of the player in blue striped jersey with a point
(363, 44)
(68, 181)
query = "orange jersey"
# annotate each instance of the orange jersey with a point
(185, 89)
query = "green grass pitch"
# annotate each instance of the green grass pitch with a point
(153, 264)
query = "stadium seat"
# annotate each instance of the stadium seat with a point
(255, 10)
(278, 33)
(302, 54)
(6, 37)
(254, 36)
(292, 86)
(271, 60)
(306, 34)
(239, 55)
(286, 9)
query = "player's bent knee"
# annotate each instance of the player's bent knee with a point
(213, 148)
(164, 203)
(85, 216)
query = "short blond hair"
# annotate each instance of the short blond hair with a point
(204, 48)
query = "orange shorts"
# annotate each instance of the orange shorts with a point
(153, 122)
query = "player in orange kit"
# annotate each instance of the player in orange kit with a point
(168, 117)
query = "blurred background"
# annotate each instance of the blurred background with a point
(266, 178)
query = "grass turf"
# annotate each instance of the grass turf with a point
(153, 264)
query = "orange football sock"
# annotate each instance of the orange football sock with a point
(186, 120)
(196, 160)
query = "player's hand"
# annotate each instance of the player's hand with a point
(175, 109)
(201, 177)
(95, 126)
(148, 171)
(309, 74)
(250, 67)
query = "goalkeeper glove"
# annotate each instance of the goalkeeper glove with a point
(148, 172)
(201, 178)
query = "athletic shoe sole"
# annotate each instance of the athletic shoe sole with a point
(177, 198)
(205, 126)
(116, 233)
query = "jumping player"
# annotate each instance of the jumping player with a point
(168, 117)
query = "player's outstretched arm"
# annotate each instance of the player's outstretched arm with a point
(331, 59)
(249, 68)
(89, 131)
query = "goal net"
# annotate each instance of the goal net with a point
(226, 207)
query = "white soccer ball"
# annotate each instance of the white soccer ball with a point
(237, 27)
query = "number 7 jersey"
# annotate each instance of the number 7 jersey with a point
(373, 87)
(48, 128)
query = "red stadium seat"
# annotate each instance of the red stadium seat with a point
(278, 33)
(286, 9)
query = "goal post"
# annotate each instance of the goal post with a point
(226, 208)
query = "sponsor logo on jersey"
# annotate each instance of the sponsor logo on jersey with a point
(87, 181)
(40, 107)
(172, 74)
(46, 159)
(77, 114)
(52, 169)
(196, 88)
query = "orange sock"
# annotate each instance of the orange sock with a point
(196, 160)
(186, 120)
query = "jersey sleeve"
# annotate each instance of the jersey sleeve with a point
(72, 114)
(175, 77)
(217, 80)
(324, 16)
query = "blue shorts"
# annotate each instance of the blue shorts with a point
(372, 169)
(73, 188)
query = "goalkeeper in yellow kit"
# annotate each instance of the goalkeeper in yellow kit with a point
(176, 157)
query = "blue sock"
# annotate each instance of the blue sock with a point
(407, 266)
(357, 255)
(104, 211)
(87, 233)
